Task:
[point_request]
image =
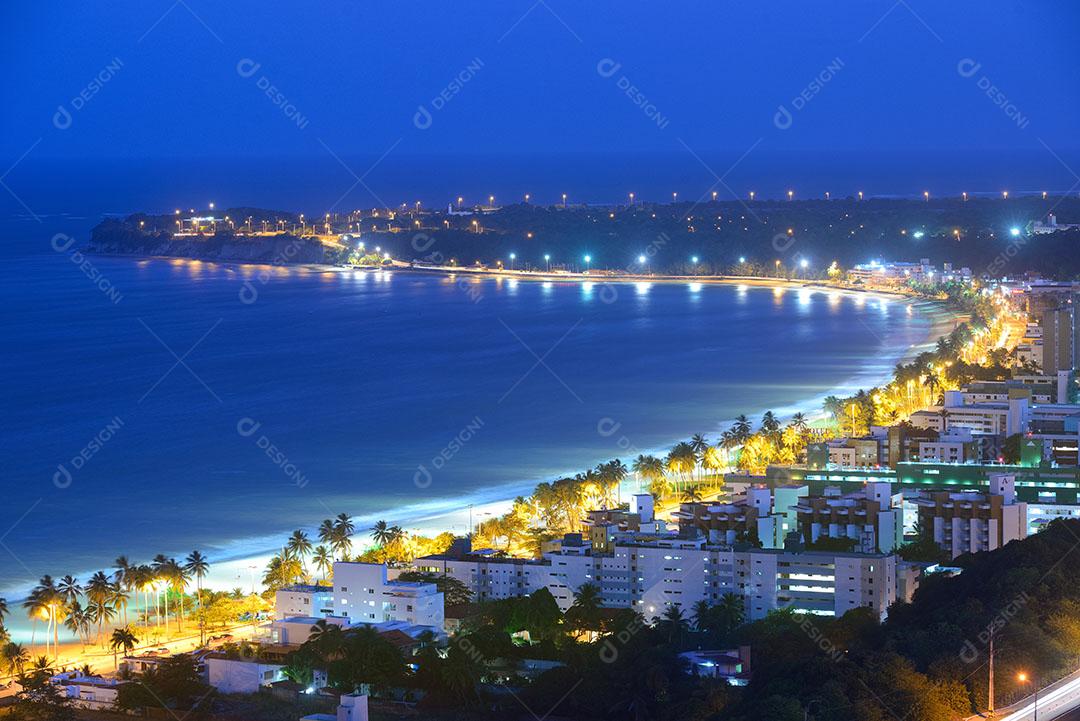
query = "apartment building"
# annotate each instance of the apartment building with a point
(972, 521)
(871, 518)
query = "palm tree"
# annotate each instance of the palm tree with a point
(15, 656)
(299, 545)
(78, 621)
(380, 533)
(343, 530)
(741, 429)
(769, 423)
(197, 565)
(178, 579)
(681, 459)
(691, 494)
(3, 609)
(122, 576)
(648, 468)
(159, 566)
(122, 638)
(69, 589)
(323, 559)
(584, 613)
(701, 615)
(101, 613)
(673, 621)
(327, 534)
(98, 592)
(798, 421)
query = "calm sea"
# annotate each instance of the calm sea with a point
(147, 409)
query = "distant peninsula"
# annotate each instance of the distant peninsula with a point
(1003, 235)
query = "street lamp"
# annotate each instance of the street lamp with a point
(964, 196)
(742, 258)
(926, 195)
(752, 195)
(694, 259)
(631, 199)
(564, 200)
(588, 260)
(714, 196)
(790, 194)
(526, 197)
(674, 197)
(1024, 678)
(547, 259)
(491, 201)
(512, 257)
(1004, 195)
(860, 195)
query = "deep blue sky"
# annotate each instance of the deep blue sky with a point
(717, 71)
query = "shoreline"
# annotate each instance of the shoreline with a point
(597, 276)
(237, 562)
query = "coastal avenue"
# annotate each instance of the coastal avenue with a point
(1060, 700)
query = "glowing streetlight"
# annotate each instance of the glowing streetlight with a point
(211, 206)
(1004, 195)
(1014, 232)
(714, 196)
(674, 197)
(641, 259)
(860, 195)
(742, 258)
(526, 197)
(694, 259)
(547, 259)
(964, 196)
(588, 260)
(459, 201)
(926, 195)
(1024, 678)
(564, 200)
(804, 263)
(826, 195)
(631, 198)
(790, 194)
(752, 194)
(513, 257)
(491, 201)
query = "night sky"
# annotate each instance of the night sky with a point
(712, 74)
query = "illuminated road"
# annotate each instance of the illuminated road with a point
(1055, 701)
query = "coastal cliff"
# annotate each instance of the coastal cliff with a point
(124, 237)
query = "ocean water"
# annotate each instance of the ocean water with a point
(148, 409)
(152, 410)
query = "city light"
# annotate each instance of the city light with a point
(742, 258)
(804, 263)
(694, 260)
(641, 259)
(1014, 232)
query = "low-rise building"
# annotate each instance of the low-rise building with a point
(763, 514)
(872, 518)
(362, 592)
(89, 691)
(971, 521)
(303, 600)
